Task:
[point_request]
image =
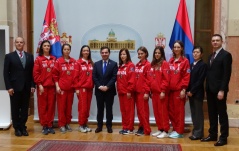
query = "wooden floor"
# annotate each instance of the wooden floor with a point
(9, 142)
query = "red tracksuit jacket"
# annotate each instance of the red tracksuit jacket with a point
(159, 78)
(126, 78)
(179, 73)
(42, 71)
(83, 76)
(64, 72)
(141, 73)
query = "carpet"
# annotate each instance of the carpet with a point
(62, 145)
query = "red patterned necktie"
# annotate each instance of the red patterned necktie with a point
(20, 53)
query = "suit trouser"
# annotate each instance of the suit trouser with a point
(64, 107)
(126, 108)
(177, 111)
(217, 108)
(19, 108)
(160, 107)
(46, 105)
(142, 107)
(84, 102)
(196, 106)
(104, 99)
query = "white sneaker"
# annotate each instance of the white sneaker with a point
(63, 129)
(176, 135)
(82, 129)
(156, 133)
(172, 132)
(162, 135)
(130, 132)
(88, 129)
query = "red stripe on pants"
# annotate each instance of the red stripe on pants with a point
(142, 106)
(84, 102)
(127, 109)
(46, 106)
(64, 106)
(177, 111)
(160, 107)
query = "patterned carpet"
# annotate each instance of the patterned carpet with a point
(62, 145)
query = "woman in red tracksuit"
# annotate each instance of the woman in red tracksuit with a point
(63, 75)
(42, 74)
(159, 81)
(125, 87)
(142, 91)
(84, 87)
(179, 80)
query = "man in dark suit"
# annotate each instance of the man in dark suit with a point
(18, 66)
(104, 76)
(217, 80)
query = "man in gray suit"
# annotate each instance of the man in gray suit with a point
(18, 66)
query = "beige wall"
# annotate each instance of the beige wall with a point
(229, 28)
(13, 14)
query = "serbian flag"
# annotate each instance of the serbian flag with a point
(182, 31)
(50, 31)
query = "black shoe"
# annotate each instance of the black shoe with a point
(220, 143)
(45, 130)
(24, 132)
(140, 130)
(98, 130)
(194, 137)
(18, 133)
(208, 139)
(121, 131)
(109, 130)
(51, 130)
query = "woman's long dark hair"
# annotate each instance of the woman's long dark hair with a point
(127, 53)
(144, 49)
(41, 47)
(161, 59)
(182, 45)
(62, 47)
(89, 57)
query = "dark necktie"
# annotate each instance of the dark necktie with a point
(104, 67)
(212, 58)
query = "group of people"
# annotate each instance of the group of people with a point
(168, 84)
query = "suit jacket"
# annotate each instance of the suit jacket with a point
(108, 79)
(197, 77)
(219, 72)
(15, 75)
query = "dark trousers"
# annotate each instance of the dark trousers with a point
(104, 99)
(217, 108)
(196, 106)
(19, 108)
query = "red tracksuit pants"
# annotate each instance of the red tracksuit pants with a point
(142, 107)
(46, 105)
(177, 111)
(127, 111)
(84, 102)
(64, 106)
(160, 107)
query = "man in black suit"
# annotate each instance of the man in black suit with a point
(104, 77)
(18, 66)
(217, 80)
